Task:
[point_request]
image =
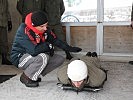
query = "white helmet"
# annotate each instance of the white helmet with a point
(77, 70)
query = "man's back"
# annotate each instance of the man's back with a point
(54, 10)
(96, 74)
(26, 6)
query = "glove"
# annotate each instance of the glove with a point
(74, 49)
(9, 25)
(51, 52)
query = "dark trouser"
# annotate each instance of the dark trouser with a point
(3, 40)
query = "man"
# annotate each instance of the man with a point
(131, 62)
(24, 7)
(82, 74)
(5, 26)
(54, 10)
(33, 51)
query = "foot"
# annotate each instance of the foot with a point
(88, 54)
(28, 82)
(94, 54)
(130, 62)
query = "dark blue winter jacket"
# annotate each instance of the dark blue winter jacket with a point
(22, 44)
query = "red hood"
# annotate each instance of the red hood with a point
(28, 22)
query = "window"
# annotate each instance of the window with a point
(86, 10)
(80, 11)
(117, 10)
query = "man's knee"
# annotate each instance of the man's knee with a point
(42, 57)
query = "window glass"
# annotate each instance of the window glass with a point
(80, 11)
(117, 10)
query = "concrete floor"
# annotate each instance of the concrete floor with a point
(9, 70)
(119, 86)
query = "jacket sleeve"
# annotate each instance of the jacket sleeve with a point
(30, 48)
(61, 44)
(19, 6)
(33, 49)
(52, 38)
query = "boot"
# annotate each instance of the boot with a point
(27, 81)
(5, 61)
(88, 54)
(94, 54)
(130, 62)
(68, 55)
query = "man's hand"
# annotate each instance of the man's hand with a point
(51, 53)
(9, 25)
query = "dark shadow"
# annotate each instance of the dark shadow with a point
(4, 78)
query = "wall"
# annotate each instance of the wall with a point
(118, 39)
